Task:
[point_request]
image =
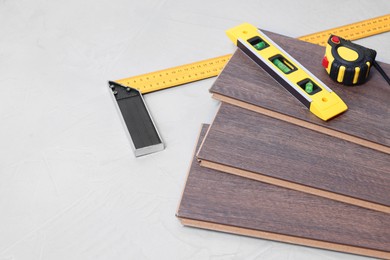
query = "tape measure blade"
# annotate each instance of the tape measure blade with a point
(352, 31)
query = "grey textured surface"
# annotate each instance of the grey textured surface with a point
(70, 186)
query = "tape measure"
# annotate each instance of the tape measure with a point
(346, 62)
(294, 77)
(183, 74)
(349, 63)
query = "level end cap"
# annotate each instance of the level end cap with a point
(328, 107)
(240, 31)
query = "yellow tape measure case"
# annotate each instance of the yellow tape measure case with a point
(346, 62)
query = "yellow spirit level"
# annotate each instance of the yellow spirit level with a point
(307, 88)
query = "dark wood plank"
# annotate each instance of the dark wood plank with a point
(225, 202)
(250, 144)
(368, 116)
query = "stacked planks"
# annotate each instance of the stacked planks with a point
(268, 168)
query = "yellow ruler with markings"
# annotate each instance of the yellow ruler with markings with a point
(352, 31)
(176, 76)
(183, 74)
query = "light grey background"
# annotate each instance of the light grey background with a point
(70, 186)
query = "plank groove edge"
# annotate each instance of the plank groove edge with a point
(303, 123)
(284, 238)
(295, 186)
(256, 146)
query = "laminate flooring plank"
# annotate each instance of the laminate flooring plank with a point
(224, 202)
(367, 121)
(263, 148)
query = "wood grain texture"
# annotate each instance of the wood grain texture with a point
(274, 151)
(306, 124)
(368, 116)
(224, 202)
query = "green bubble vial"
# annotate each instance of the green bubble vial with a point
(259, 46)
(309, 87)
(281, 66)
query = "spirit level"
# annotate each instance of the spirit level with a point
(143, 134)
(306, 87)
